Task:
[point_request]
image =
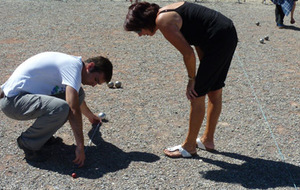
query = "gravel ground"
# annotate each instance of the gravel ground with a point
(150, 112)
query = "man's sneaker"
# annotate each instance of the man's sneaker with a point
(280, 26)
(31, 155)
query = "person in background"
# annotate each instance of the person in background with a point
(284, 8)
(214, 37)
(47, 88)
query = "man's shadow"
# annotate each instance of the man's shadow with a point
(253, 172)
(289, 27)
(100, 159)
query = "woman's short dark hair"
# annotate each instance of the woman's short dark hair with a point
(140, 16)
(102, 64)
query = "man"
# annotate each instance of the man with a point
(284, 8)
(47, 87)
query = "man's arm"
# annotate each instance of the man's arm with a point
(75, 119)
(85, 110)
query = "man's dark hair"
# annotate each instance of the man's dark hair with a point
(102, 64)
(141, 16)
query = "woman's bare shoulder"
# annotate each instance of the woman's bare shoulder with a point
(171, 6)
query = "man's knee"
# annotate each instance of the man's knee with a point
(62, 110)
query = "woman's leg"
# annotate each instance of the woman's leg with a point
(196, 118)
(214, 108)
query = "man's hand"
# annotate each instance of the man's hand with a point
(95, 119)
(80, 156)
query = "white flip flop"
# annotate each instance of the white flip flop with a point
(183, 152)
(202, 146)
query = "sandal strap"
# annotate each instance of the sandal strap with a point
(174, 148)
(200, 144)
(183, 152)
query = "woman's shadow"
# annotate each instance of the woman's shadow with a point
(100, 159)
(253, 172)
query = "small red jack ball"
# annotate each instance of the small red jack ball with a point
(74, 175)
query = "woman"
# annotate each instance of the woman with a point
(214, 37)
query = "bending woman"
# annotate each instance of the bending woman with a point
(214, 37)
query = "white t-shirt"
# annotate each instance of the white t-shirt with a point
(46, 73)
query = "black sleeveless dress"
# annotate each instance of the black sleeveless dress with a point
(215, 34)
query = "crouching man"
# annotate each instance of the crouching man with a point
(47, 87)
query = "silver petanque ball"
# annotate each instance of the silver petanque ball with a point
(267, 38)
(102, 115)
(118, 84)
(257, 23)
(110, 84)
(261, 40)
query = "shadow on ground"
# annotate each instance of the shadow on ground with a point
(101, 159)
(253, 172)
(291, 28)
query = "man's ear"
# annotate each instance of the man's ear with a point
(90, 66)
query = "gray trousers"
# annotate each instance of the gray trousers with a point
(50, 112)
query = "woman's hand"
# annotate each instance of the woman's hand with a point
(190, 90)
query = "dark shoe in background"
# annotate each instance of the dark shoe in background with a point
(280, 26)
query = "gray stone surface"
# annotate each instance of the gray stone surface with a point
(150, 111)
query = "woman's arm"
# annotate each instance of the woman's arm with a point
(174, 36)
(169, 28)
(199, 52)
